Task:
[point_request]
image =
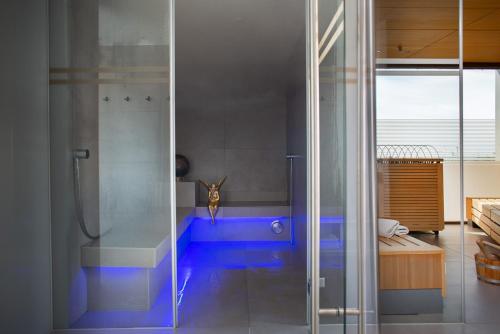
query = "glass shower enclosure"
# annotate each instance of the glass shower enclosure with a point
(111, 166)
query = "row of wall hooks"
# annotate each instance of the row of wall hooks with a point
(128, 99)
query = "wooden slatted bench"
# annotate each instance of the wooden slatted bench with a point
(414, 270)
(485, 213)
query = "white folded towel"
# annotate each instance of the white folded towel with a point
(390, 227)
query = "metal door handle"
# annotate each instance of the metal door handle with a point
(339, 311)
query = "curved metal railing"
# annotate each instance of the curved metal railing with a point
(407, 152)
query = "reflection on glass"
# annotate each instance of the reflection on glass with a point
(332, 162)
(418, 172)
(481, 188)
(109, 94)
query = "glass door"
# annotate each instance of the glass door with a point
(111, 163)
(342, 240)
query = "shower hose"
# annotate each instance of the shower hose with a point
(77, 155)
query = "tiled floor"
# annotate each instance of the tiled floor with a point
(224, 287)
(482, 300)
(254, 288)
(257, 286)
(440, 329)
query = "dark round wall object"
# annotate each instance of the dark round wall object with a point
(181, 165)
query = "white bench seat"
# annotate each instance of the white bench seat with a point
(138, 245)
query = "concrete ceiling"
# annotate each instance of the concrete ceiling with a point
(429, 29)
(236, 43)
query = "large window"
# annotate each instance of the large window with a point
(421, 107)
(479, 115)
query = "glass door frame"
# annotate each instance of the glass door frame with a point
(360, 60)
(169, 176)
(173, 196)
(453, 66)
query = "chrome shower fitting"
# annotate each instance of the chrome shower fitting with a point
(277, 227)
(79, 154)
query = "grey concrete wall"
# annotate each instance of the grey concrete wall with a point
(24, 170)
(231, 73)
(240, 136)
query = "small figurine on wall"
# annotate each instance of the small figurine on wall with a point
(213, 196)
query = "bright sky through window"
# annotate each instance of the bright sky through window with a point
(436, 97)
(418, 107)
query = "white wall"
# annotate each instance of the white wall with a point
(480, 179)
(25, 285)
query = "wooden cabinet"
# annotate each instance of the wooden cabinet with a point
(411, 191)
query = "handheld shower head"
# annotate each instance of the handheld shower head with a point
(80, 153)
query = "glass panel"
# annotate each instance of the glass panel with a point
(418, 170)
(481, 191)
(240, 117)
(110, 163)
(418, 160)
(332, 158)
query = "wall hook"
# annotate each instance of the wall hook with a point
(127, 99)
(148, 98)
(106, 99)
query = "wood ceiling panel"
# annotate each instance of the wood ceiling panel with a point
(480, 4)
(487, 22)
(483, 38)
(404, 43)
(482, 55)
(436, 3)
(394, 52)
(425, 29)
(436, 52)
(445, 48)
(416, 3)
(417, 18)
(411, 38)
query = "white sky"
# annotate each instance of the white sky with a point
(436, 97)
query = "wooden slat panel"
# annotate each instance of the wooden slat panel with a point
(485, 212)
(406, 244)
(411, 191)
(408, 263)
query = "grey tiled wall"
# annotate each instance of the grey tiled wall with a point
(243, 138)
(127, 172)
